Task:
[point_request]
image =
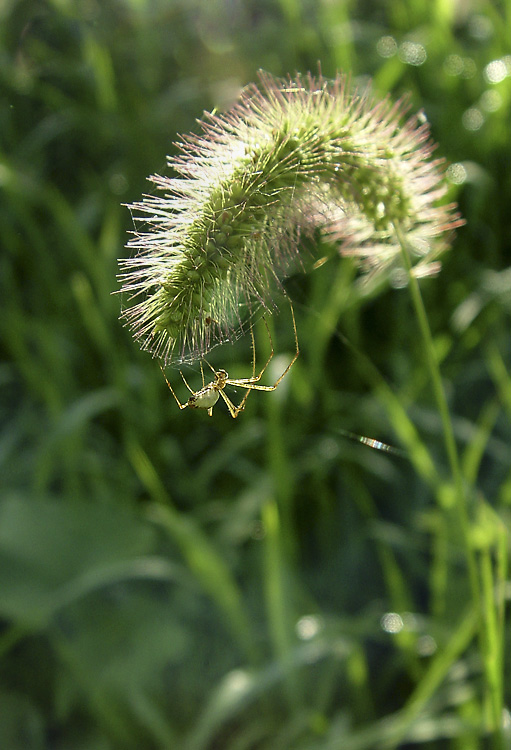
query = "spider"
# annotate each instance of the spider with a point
(207, 396)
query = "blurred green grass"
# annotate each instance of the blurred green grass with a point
(174, 581)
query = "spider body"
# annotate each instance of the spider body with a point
(207, 396)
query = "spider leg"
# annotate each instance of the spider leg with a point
(254, 378)
(233, 410)
(181, 406)
(253, 350)
(252, 383)
(241, 405)
(257, 387)
(185, 382)
(210, 367)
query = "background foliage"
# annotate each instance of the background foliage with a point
(173, 581)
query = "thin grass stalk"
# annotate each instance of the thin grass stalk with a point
(494, 570)
(460, 496)
(276, 593)
(433, 678)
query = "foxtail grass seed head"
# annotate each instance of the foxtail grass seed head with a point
(290, 157)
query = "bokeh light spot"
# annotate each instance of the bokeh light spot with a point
(480, 27)
(426, 645)
(453, 65)
(412, 53)
(456, 173)
(307, 627)
(391, 622)
(495, 71)
(386, 46)
(490, 100)
(472, 119)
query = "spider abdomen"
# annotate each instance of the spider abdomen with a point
(204, 399)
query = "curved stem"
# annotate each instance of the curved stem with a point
(443, 408)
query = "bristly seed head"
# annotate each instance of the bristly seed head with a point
(290, 157)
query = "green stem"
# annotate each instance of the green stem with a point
(448, 431)
(432, 679)
(434, 371)
(279, 610)
(486, 632)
